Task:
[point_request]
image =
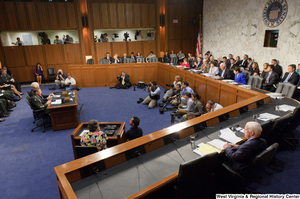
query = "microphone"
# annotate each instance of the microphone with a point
(137, 153)
(96, 170)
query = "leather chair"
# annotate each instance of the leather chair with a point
(256, 168)
(174, 60)
(255, 81)
(29, 93)
(154, 59)
(82, 151)
(286, 89)
(90, 61)
(293, 124)
(195, 177)
(103, 61)
(278, 129)
(51, 74)
(191, 62)
(266, 128)
(140, 60)
(246, 74)
(38, 115)
(127, 60)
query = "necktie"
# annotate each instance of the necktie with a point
(288, 77)
(123, 82)
(248, 66)
(223, 73)
(267, 80)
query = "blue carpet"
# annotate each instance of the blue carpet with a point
(28, 158)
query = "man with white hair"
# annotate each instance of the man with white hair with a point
(36, 86)
(225, 73)
(241, 155)
(204, 68)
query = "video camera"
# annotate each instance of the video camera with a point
(59, 73)
(170, 85)
(148, 34)
(126, 35)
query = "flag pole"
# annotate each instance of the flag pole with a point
(200, 23)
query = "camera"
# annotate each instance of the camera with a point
(148, 84)
(148, 34)
(126, 35)
(170, 85)
(59, 73)
(115, 35)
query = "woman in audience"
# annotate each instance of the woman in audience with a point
(12, 88)
(38, 71)
(213, 70)
(298, 69)
(185, 64)
(138, 55)
(238, 61)
(255, 69)
(94, 137)
(185, 109)
(265, 70)
(239, 77)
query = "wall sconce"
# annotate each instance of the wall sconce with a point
(162, 20)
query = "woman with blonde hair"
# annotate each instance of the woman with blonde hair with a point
(265, 69)
(60, 78)
(255, 69)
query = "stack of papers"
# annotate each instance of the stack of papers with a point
(57, 101)
(217, 143)
(267, 116)
(275, 95)
(227, 80)
(246, 86)
(205, 149)
(286, 108)
(84, 131)
(207, 74)
(239, 129)
(56, 95)
(229, 136)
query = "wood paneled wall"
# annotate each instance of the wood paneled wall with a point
(37, 16)
(144, 47)
(21, 60)
(183, 35)
(122, 14)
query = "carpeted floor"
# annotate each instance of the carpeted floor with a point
(28, 158)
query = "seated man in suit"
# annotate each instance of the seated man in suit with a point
(203, 68)
(124, 81)
(270, 78)
(133, 58)
(124, 57)
(244, 61)
(116, 59)
(232, 64)
(166, 58)
(225, 73)
(219, 62)
(180, 56)
(249, 64)
(108, 58)
(197, 63)
(135, 131)
(37, 103)
(151, 55)
(226, 61)
(241, 155)
(291, 76)
(154, 95)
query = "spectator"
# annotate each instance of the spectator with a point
(63, 39)
(68, 40)
(270, 79)
(116, 59)
(135, 131)
(104, 38)
(249, 65)
(7, 71)
(255, 69)
(95, 137)
(196, 107)
(108, 57)
(39, 73)
(239, 77)
(211, 106)
(60, 78)
(151, 55)
(219, 62)
(97, 40)
(7, 79)
(45, 40)
(124, 57)
(291, 76)
(277, 68)
(265, 70)
(133, 58)
(297, 71)
(166, 58)
(18, 42)
(238, 61)
(57, 40)
(185, 64)
(151, 38)
(213, 70)
(70, 82)
(139, 36)
(180, 56)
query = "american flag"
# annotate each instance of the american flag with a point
(199, 43)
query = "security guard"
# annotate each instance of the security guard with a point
(7, 79)
(37, 102)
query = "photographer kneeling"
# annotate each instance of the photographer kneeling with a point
(153, 96)
(60, 78)
(124, 81)
(172, 89)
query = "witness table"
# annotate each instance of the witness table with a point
(118, 137)
(65, 114)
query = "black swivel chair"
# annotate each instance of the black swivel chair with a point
(256, 168)
(278, 129)
(29, 93)
(266, 128)
(82, 151)
(255, 81)
(293, 124)
(287, 89)
(246, 74)
(195, 177)
(51, 74)
(38, 115)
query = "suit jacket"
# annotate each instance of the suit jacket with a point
(219, 63)
(244, 154)
(122, 59)
(228, 74)
(110, 59)
(244, 65)
(227, 64)
(238, 63)
(118, 61)
(273, 79)
(204, 68)
(293, 79)
(133, 59)
(278, 70)
(166, 58)
(249, 66)
(232, 67)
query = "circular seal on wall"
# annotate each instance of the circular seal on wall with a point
(275, 12)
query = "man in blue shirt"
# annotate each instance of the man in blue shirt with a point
(185, 88)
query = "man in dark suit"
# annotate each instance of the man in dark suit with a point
(249, 64)
(225, 73)
(133, 58)
(124, 57)
(197, 63)
(219, 62)
(232, 64)
(244, 62)
(135, 131)
(124, 81)
(226, 61)
(270, 78)
(241, 155)
(109, 58)
(166, 57)
(291, 76)
(277, 68)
